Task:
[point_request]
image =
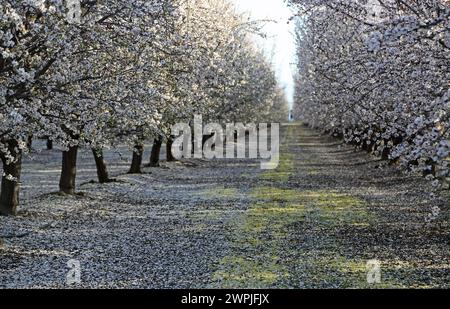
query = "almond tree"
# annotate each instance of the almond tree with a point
(376, 72)
(98, 73)
(212, 69)
(108, 96)
(33, 36)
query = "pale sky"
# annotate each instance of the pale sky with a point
(280, 41)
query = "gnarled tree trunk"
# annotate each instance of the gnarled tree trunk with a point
(156, 150)
(10, 187)
(102, 170)
(137, 160)
(69, 171)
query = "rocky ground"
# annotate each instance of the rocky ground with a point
(327, 217)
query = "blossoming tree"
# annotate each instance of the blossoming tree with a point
(98, 73)
(376, 72)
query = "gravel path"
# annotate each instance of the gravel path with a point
(314, 222)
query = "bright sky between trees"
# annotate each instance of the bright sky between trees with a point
(280, 42)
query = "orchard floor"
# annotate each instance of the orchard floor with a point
(314, 222)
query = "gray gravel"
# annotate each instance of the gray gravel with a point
(314, 222)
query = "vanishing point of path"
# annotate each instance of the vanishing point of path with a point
(315, 221)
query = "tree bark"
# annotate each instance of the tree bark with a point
(169, 155)
(156, 150)
(30, 142)
(102, 170)
(49, 144)
(137, 160)
(69, 171)
(9, 194)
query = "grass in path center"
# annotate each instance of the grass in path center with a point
(259, 236)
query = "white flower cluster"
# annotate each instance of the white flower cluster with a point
(127, 71)
(96, 73)
(379, 80)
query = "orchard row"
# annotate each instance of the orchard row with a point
(99, 73)
(377, 73)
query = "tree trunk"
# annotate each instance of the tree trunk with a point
(49, 144)
(385, 153)
(137, 160)
(102, 170)
(156, 150)
(9, 194)
(69, 171)
(170, 157)
(30, 142)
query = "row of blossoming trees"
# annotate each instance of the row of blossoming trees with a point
(101, 72)
(377, 73)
